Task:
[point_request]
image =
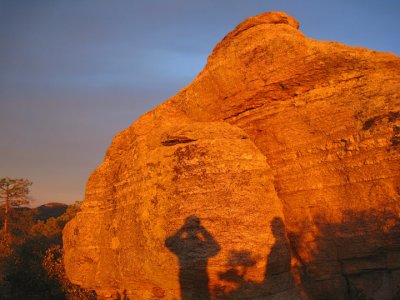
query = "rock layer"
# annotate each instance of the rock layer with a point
(276, 174)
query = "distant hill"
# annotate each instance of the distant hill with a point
(49, 210)
(40, 213)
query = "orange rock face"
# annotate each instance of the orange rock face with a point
(274, 175)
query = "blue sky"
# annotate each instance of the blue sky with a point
(74, 73)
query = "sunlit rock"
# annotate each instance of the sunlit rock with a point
(274, 175)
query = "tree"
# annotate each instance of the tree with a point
(34, 269)
(13, 193)
(54, 266)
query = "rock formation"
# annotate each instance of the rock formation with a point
(274, 175)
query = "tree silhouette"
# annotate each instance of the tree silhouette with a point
(277, 277)
(13, 193)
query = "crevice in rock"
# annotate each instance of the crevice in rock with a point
(348, 286)
(243, 111)
(177, 140)
(391, 117)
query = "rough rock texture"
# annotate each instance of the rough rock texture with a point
(274, 175)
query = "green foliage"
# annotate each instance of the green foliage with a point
(20, 223)
(13, 194)
(15, 191)
(33, 268)
(54, 266)
(24, 271)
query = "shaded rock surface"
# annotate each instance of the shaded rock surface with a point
(274, 175)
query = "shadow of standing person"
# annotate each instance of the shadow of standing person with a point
(277, 274)
(193, 245)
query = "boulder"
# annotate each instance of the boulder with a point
(274, 175)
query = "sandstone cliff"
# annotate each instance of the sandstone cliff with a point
(274, 175)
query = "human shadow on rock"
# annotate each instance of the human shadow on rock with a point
(193, 245)
(277, 276)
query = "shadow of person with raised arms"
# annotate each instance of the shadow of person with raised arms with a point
(193, 245)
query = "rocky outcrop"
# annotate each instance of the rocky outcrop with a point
(274, 175)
